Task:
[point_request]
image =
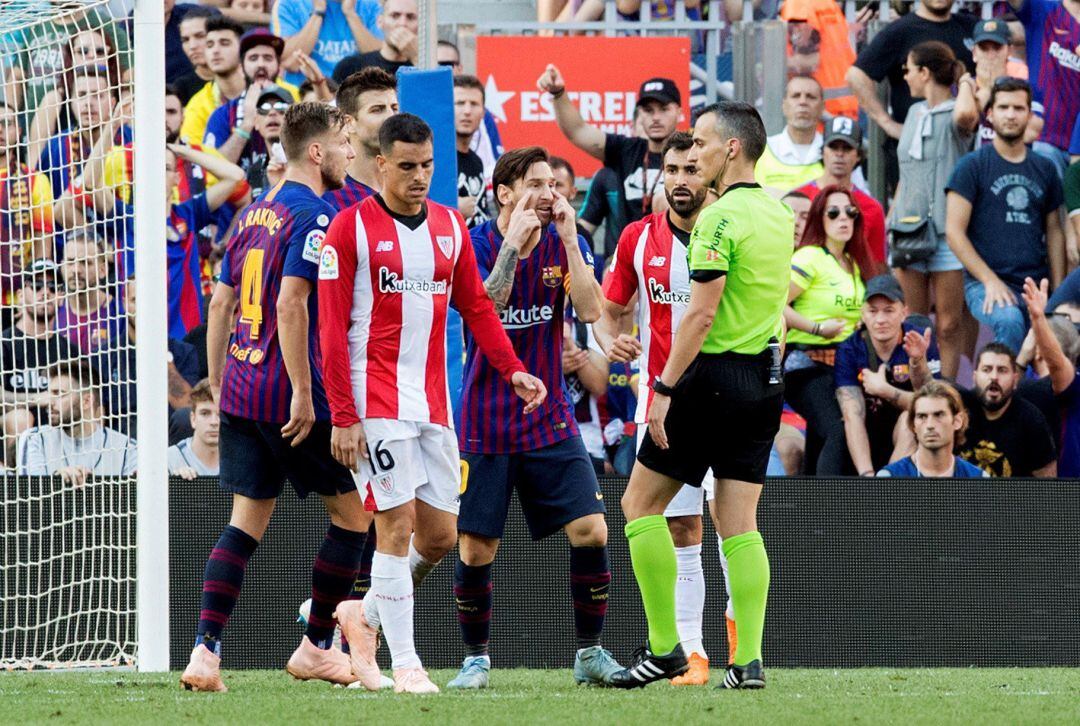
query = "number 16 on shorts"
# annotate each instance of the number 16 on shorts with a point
(411, 460)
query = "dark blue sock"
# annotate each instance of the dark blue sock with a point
(222, 580)
(363, 576)
(332, 578)
(472, 592)
(590, 580)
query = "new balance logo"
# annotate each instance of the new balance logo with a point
(386, 245)
(657, 261)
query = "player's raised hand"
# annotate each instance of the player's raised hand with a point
(916, 344)
(349, 445)
(624, 349)
(565, 220)
(301, 419)
(551, 81)
(658, 410)
(1036, 296)
(524, 223)
(529, 389)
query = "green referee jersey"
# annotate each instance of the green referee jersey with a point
(746, 236)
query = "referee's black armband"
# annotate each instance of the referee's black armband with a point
(706, 275)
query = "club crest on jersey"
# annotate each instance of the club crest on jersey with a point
(553, 275)
(328, 264)
(660, 294)
(446, 244)
(312, 243)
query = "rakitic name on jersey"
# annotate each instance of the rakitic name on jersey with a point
(262, 217)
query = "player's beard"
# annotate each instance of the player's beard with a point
(685, 206)
(171, 137)
(329, 179)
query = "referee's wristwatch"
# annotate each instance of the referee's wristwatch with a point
(662, 388)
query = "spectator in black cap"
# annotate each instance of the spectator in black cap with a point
(991, 44)
(253, 137)
(29, 348)
(840, 155)
(636, 161)
(877, 370)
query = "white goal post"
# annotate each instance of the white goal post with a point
(84, 569)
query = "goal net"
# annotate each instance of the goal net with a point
(67, 335)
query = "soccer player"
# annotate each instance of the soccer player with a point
(368, 97)
(530, 256)
(650, 262)
(718, 401)
(274, 414)
(937, 419)
(389, 269)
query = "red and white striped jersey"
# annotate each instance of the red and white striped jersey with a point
(651, 260)
(384, 289)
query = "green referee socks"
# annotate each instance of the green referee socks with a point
(748, 572)
(653, 555)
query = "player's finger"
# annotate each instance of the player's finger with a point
(523, 203)
(304, 430)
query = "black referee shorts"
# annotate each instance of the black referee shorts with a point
(724, 415)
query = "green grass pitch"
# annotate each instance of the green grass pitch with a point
(870, 696)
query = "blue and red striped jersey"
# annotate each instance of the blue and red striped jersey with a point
(182, 248)
(492, 417)
(1053, 56)
(352, 192)
(278, 236)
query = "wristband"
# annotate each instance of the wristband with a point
(245, 135)
(662, 388)
(241, 191)
(816, 330)
(319, 13)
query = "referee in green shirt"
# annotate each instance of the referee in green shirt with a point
(718, 402)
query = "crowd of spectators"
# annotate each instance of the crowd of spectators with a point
(967, 255)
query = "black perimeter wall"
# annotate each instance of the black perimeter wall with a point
(865, 572)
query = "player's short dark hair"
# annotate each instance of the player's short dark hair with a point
(221, 22)
(557, 162)
(996, 347)
(305, 121)
(1008, 84)
(514, 165)
(357, 84)
(170, 90)
(738, 120)
(467, 81)
(941, 389)
(680, 141)
(194, 12)
(79, 372)
(404, 127)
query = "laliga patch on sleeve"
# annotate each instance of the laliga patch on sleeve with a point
(312, 244)
(328, 264)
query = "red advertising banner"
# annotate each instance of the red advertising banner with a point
(603, 76)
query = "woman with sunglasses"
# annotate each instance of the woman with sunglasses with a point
(828, 273)
(935, 135)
